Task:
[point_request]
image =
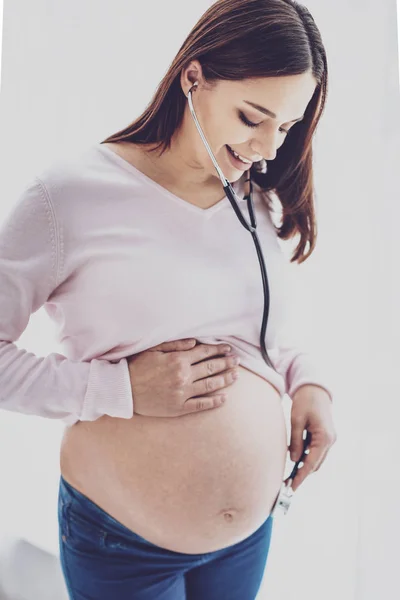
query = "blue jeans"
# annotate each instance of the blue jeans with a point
(101, 559)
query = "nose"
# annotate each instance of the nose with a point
(266, 146)
(271, 155)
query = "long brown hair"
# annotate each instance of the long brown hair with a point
(239, 39)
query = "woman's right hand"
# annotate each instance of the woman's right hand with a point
(174, 378)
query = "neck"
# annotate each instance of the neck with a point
(178, 167)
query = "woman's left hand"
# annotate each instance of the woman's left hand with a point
(311, 411)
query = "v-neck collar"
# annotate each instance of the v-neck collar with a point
(205, 212)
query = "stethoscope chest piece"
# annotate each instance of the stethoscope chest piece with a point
(283, 500)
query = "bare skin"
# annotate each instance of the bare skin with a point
(205, 479)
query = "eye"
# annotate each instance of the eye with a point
(244, 120)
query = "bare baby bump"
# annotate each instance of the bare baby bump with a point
(194, 483)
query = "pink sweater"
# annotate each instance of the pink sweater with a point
(121, 264)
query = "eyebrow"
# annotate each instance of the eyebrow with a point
(269, 112)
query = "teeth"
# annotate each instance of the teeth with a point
(241, 157)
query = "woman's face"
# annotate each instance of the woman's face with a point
(229, 117)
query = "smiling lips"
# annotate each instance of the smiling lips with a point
(244, 160)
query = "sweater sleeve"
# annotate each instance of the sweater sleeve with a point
(298, 363)
(299, 367)
(53, 386)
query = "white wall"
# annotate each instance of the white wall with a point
(60, 62)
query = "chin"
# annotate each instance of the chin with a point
(238, 175)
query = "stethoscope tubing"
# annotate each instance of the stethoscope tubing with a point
(284, 497)
(252, 226)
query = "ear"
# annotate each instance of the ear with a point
(192, 74)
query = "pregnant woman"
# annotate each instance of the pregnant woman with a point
(175, 445)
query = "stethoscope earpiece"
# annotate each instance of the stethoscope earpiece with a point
(194, 86)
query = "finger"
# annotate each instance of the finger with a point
(310, 461)
(296, 440)
(203, 351)
(175, 345)
(330, 439)
(322, 460)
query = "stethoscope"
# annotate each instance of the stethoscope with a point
(285, 495)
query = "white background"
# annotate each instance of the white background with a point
(73, 73)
